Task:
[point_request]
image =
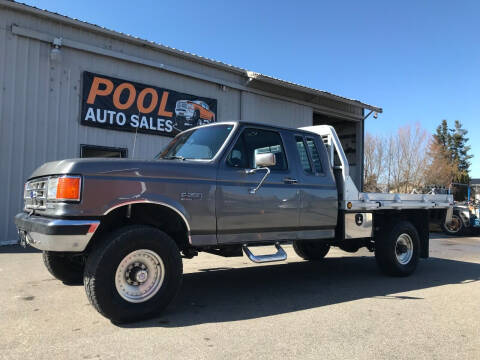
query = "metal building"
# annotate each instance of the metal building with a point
(60, 78)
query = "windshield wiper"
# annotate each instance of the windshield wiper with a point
(174, 157)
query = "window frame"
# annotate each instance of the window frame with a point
(123, 151)
(309, 155)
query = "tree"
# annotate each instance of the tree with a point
(411, 158)
(442, 135)
(440, 171)
(450, 158)
(396, 163)
(374, 155)
(460, 153)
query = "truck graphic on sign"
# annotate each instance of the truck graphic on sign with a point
(190, 113)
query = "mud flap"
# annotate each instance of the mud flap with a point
(422, 226)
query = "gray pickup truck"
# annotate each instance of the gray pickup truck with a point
(123, 226)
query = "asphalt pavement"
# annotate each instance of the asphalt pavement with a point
(230, 308)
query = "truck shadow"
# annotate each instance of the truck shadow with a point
(260, 291)
(17, 249)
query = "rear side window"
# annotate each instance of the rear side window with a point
(257, 141)
(302, 152)
(317, 163)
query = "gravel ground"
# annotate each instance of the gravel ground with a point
(341, 308)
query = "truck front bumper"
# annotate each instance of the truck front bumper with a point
(49, 234)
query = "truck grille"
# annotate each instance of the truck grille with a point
(35, 194)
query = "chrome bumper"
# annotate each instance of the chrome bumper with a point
(49, 234)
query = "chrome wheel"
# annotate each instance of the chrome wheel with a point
(139, 276)
(455, 225)
(404, 249)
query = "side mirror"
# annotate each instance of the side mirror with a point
(265, 160)
(262, 161)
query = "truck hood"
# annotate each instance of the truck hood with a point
(121, 167)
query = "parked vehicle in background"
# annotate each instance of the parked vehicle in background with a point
(124, 225)
(192, 113)
(465, 219)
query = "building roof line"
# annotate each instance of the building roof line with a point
(251, 75)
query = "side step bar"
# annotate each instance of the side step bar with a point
(280, 255)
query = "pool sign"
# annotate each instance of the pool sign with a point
(118, 104)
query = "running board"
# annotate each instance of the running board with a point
(280, 255)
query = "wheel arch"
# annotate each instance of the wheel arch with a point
(461, 214)
(418, 218)
(159, 214)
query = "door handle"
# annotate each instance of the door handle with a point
(290, 181)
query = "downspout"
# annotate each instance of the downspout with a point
(362, 167)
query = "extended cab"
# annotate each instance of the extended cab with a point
(123, 226)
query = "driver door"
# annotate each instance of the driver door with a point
(272, 213)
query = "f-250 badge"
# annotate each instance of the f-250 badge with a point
(191, 196)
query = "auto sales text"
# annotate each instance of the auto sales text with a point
(118, 118)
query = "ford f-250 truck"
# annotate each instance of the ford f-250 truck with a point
(123, 226)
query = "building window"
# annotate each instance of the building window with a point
(88, 151)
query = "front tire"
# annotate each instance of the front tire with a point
(196, 117)
(64, 267)
(397, 252)
(133, 274)
(311, 250)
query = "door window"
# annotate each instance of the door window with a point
(257, 141)
(302, 152)
(317, 162)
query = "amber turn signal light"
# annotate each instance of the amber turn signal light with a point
(68, 188)
(64, 188)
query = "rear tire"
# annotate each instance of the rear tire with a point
(64, 267)
(311, 250)
(133, 274)
(397, 252)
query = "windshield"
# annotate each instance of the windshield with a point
(199, 144)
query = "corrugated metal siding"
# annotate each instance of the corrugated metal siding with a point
(273, 111)
(58, 29)
(324, 102)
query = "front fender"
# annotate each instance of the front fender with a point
(151, 199)
(464, 216)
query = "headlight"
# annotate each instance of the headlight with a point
(64, 188)
(52, 188)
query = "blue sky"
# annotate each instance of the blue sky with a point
(419, 60)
